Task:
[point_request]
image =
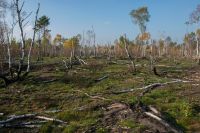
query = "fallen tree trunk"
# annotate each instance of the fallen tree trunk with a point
(7, 123)
(163, 122)
(13, 118)
(34, 124)
(150, 87)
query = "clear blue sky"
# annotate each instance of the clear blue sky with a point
(110, 18)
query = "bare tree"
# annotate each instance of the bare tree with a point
(195, 19)
(19, 17)
(33, 39)
(124, 42)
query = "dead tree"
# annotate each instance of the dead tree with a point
(33, 39)
(129, 55)
(20, 18)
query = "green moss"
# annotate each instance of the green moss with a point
(128, 123)
(70, 129)
(102, 130)
(46, 128)
(69, 115)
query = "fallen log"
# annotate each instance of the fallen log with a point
(14, 117)
(34, 124)
(20, 126)
(163, 122)
(6, 123)
(150, 87)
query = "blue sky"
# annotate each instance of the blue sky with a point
(110, 18)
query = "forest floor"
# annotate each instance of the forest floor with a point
(88, 97)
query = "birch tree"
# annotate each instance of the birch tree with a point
(195, 19)
(124, 42)
(20, 18)
(140, 17)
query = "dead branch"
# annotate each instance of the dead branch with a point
(154, 110)
(49, 81)
(50, 119)
(53, 111)
(95, 97)
(92, 97)
(65, 63)
(102, 78)
(81, 61)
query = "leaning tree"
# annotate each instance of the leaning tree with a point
(124, 42)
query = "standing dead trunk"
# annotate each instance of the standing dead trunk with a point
(71, 59)
(33, 39)
(129, 56)
(197, 47)
(197, 50)
(21, 26)
(9, 58)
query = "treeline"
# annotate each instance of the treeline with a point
(16, 56)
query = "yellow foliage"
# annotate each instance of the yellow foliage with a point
(58, 38)
(145, 36)
(68, 44)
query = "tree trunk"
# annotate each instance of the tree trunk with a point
(33, 39)
(198, 59)
(129, 56)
